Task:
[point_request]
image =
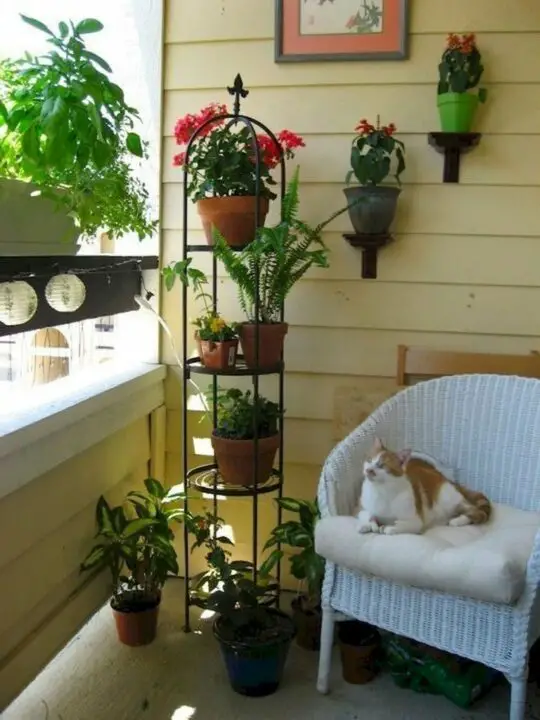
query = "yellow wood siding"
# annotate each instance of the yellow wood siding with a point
(46, 528)
(463, 271)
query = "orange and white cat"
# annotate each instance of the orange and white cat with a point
(408, 492)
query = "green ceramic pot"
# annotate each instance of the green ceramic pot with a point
(457, 111)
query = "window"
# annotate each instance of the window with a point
(42, 356)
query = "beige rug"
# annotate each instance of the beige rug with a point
(181, 677)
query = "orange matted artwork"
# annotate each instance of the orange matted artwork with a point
(320, 30)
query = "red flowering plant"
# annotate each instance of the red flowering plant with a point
(461, 66)
(222, 159)
(373, 150)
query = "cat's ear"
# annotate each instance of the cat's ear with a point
(404, 456)
(378, 444)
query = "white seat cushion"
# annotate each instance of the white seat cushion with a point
(487, 562)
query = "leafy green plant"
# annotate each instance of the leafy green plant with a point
(227, 586)
(373, 150)
(276, 260)
(306, 566)
(461, 66)
(210, 324)
(136, 545)
(66, 127)
(238, 418)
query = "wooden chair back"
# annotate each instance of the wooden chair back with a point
(416, 363)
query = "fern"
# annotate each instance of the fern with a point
(277, 258)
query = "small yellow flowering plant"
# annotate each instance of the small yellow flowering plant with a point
(211, 326)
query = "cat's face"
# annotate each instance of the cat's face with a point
(383, 465)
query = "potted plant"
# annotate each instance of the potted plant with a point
(460, 71)
(217, 340)
(239, 421)
(306, 566)
(66, 135)
(273, 263)
(136, 545)
(372, 205)
(254, 637)
(359, 648)
(222, 172)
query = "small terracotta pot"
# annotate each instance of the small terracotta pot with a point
(138, 627)
(271, 340)
(234, 217)
(308, 625)
(359, 646)
(218, 355)
(236, 459)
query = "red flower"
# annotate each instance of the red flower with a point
(453, 41)
(389, 129)
(364, 128)
(179, 159)
(187, 125)
(269, 151)
(289, 140)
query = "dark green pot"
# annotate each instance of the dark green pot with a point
(372, 209)
(457, 111)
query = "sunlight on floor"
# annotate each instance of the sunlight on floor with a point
(184, 713)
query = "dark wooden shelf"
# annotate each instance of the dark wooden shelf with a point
(452, 146)
(370, 245)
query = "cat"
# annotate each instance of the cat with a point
(408, 492)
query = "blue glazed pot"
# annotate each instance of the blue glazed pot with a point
(256, 669)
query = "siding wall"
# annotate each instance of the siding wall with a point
(46, 529)
(463, 272)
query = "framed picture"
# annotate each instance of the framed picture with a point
(321, 30)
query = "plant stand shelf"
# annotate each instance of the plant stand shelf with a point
(370, 245)
(453, 146)
(206, 479)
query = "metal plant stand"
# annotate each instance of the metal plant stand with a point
(206, 478)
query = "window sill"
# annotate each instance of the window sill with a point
(62, 420)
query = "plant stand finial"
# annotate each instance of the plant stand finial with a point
(239, 91)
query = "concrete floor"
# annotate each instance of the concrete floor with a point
(181, 677)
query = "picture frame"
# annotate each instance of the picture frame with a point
(346, 30)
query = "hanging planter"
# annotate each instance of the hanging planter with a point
(372, 206)
(460, 71)
(222, 175)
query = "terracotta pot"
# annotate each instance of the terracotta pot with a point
(236, 459)
(138, 627)
(218, 355)
(271, 340)
(308, 625)
(234, 217)
(359, 646)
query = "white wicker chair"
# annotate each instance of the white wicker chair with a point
(488, 428)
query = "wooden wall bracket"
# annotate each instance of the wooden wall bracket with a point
(370, 245)
(452, 146)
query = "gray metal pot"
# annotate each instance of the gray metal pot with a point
(33, 225)
(372, 209)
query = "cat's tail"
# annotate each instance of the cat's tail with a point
(475, 510)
